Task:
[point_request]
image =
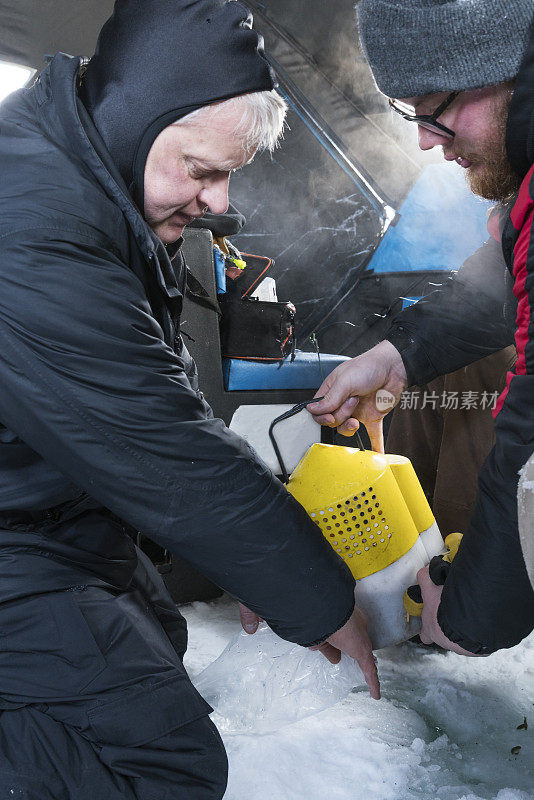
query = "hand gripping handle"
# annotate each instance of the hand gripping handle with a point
(438, 569)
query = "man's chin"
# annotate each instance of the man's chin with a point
(169, 232)
(478, 180)
(496, 182)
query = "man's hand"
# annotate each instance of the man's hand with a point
(430, 630)
(351, 639)
(350, 393)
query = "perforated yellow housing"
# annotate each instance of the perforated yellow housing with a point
(359, 505)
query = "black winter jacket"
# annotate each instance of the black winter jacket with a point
(102, 424)
(488, 600)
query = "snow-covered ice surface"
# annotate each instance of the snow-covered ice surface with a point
(444, 729)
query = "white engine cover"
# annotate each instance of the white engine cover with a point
(294, 435)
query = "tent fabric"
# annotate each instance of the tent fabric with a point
(30, 29)
(317, 45)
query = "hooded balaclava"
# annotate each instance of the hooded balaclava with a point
(158, 60)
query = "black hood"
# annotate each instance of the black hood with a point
(158, 60)
(520, 127)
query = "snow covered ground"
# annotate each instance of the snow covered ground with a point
(445, 728)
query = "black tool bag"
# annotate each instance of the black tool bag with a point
(256, 330)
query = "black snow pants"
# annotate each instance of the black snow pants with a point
(95, 702)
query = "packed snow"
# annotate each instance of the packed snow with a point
(447, 727)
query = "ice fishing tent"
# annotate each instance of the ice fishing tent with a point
(353, 214)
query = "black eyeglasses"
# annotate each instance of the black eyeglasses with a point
(428, 121)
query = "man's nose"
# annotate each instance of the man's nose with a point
(429, 139)
(215, 196)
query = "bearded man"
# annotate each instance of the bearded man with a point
(103, 429)
(462, 70)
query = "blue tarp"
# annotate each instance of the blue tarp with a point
(441, 224)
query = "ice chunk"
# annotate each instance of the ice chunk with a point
(261, 682)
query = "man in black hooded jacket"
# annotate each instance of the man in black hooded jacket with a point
(103, 429)
(464, 70)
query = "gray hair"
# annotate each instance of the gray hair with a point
(260, 118)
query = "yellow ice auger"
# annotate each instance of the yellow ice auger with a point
(372, 510)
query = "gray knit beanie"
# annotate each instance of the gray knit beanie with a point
(418, 47)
